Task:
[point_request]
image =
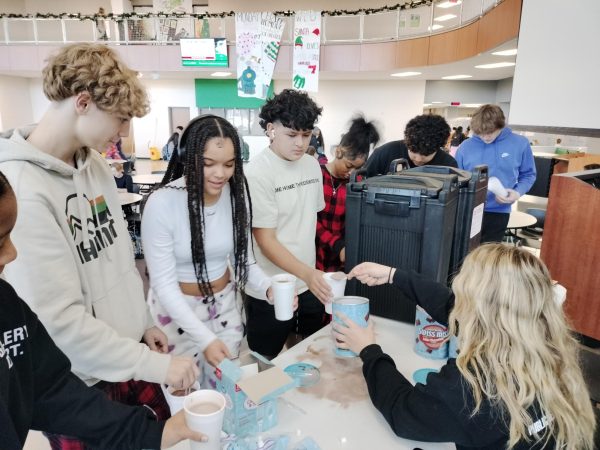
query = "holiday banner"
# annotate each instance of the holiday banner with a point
(271, 31)
(307, 46)
(248, 53)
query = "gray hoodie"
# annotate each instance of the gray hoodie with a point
(75, 266)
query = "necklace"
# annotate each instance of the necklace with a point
(334, 187)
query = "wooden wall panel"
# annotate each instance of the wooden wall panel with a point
(412, 52)
(467, 41)
(571, 249)
(380, 56)
(499, 25)
(340, 57)
(442, 48)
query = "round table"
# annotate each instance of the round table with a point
(147, 179)
(520, 220)
(516, 221)
(129, 198)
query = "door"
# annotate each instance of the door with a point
(178, 117)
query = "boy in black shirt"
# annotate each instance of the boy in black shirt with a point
(424, 139)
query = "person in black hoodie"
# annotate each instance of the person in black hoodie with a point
(516, 382)
(38, 390)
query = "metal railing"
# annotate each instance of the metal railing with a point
(353, 28)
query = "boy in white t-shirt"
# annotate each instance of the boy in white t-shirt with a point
(286, 189)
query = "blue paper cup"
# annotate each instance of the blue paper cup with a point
(431, 340)
(357, 310)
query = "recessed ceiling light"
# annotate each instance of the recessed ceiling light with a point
(456, 77)
(220, 74)
(405, 74)
(449, 4)
(470, 105)
(425, 105)
(437, 26)
(155, 75)
(436, 103)
(511, 52)
(445, 17)
(495, 65)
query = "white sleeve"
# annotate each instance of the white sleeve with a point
(264, 206)
(258, 281)
(46, 276)
(159, 253)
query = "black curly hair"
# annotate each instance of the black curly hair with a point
(198, 132)
(294, 109)
(426, 134)
(356, 143)
(5, 186)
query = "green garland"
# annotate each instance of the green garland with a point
(133, 15)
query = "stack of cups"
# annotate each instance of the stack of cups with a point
(337, 282)
(204, 411)
(357, 310)
(283, 286)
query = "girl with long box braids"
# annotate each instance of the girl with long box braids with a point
(195, 233)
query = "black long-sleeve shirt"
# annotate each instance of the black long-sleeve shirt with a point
(38, 390)
(381, 158)
(439, 411)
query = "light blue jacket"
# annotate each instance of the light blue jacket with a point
(509, 158)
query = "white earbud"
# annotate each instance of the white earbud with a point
(272, 134)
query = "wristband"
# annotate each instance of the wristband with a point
(390, 275)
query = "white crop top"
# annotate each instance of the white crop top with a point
(166, 240)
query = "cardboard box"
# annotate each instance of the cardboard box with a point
(251, 396)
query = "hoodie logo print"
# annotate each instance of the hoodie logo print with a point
(505, 155)
(100, 225)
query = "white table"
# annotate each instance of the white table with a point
(116, 161)
(129, 198)
(519, 219)
(147, 179)
(337, 412)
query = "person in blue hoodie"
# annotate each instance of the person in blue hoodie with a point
(508, 157)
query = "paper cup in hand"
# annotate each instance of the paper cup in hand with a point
(204, 411)
(495, 187)
(175, 397)
(283, 287)
(337, 283)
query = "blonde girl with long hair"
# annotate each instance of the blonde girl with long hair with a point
(516, 383)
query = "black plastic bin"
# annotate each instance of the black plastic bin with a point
(472, 193)
(405, 222)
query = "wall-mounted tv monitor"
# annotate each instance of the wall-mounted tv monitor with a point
(209, 52)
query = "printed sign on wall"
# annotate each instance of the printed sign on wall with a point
(248, 52)
(258, 37)
(271, 31)
(307, 45)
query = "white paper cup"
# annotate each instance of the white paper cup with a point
(175, 398)
(204, 411)
(284, 291)
(337, 282)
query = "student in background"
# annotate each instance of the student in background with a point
(350, 155)
(76, 268)
(37, 388)
(171, 144)
(508, 157)
(123, 181)
(195, 226)
(286, 187)
(456, 139)
(424, 139)
(516, 382)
